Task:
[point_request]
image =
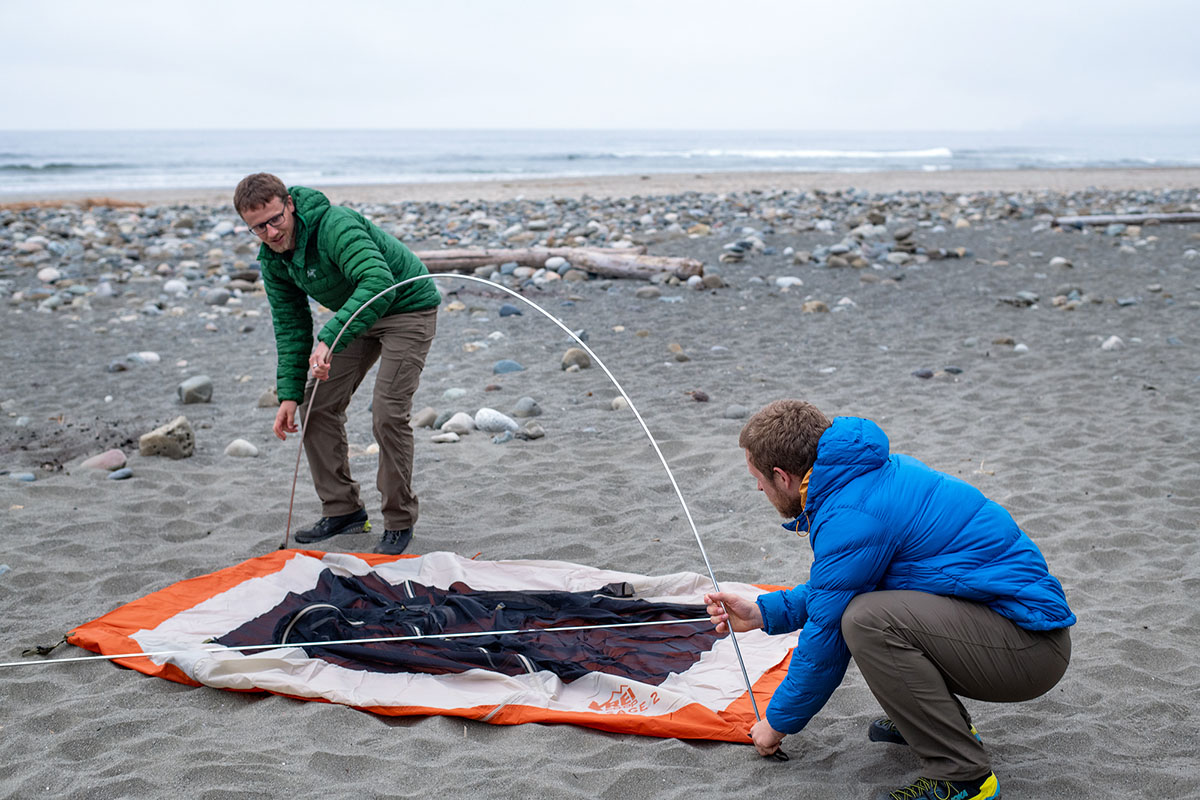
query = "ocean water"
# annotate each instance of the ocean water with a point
(97, 161)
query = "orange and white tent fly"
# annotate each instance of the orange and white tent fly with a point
(504, 642)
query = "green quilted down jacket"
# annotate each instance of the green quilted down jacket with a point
(341, 260)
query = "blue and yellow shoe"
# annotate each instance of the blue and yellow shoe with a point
(986, 788)
(884, 730)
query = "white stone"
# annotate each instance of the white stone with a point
(175, 286)
(48, 275)
(1112, 343)
(449, 437)
(460, 423)
(240, 448)
(492, 421)
(786, 281)
(619, 404)
(554, 262)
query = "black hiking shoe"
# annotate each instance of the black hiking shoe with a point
(986, 788)
(394, 543)
(884, 730)
(328, 527)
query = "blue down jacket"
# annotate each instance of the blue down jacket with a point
(881, 522)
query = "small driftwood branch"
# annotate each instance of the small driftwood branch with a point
(1126, 219)
(609, 262)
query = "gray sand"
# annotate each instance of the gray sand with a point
(1092, 450)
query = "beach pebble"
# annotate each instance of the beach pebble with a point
(173, 440)
(144, 357)
(490, 420)
(23, 477)
(505, 365)
(454, 393)
(509, 310)
(49, 275)
(268, 399)
(217, 297)
(445, 437)
(175, 287)
(461, 423)
(1020, 347)
(699, 396)
(814, 307)
(109, 460)
(240, 448)
(575, 357)
(555, 263)
(120, 474)
(923, 374)
(788, 281)
(736, 412)
(1112, 343)
(527, 407)
(423, 418)
(501, 438)
(532, 430)
(619, 403)
(648, 293)
(197, 389)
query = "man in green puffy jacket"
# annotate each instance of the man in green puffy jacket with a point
(339, 258)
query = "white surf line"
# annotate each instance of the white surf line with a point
(372, 640)
(674, 484)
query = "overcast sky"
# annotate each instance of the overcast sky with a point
(702, 64)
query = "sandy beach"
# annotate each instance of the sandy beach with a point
(1058, 370)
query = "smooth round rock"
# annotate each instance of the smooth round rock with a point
(240, 448)
(110, 460)
(120, 474)
(576, 357)
(461, 423)
(492, 421)
(527, 407)
(506, 365)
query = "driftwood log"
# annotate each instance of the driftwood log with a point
(1125, 219)
(609, 262)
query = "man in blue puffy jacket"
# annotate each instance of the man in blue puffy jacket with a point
(929, 585)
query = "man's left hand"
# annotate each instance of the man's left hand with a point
(766, 739)
(319, 362)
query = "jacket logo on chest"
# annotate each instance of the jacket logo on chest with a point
(312, 273)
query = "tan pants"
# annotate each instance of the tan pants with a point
(399, 343)
(919, 652)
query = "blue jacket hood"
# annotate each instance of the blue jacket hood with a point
(850, 447)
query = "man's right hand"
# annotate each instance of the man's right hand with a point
(742, 614)
(285, 419)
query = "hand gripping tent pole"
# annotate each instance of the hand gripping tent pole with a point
(674, 484)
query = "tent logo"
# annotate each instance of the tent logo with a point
(624, 700)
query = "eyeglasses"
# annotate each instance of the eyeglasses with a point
(273, 222)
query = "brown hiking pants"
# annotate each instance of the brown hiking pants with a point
(919, 652)
(399, 343)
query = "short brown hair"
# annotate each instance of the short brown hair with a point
(255, 191)
(784, 434)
